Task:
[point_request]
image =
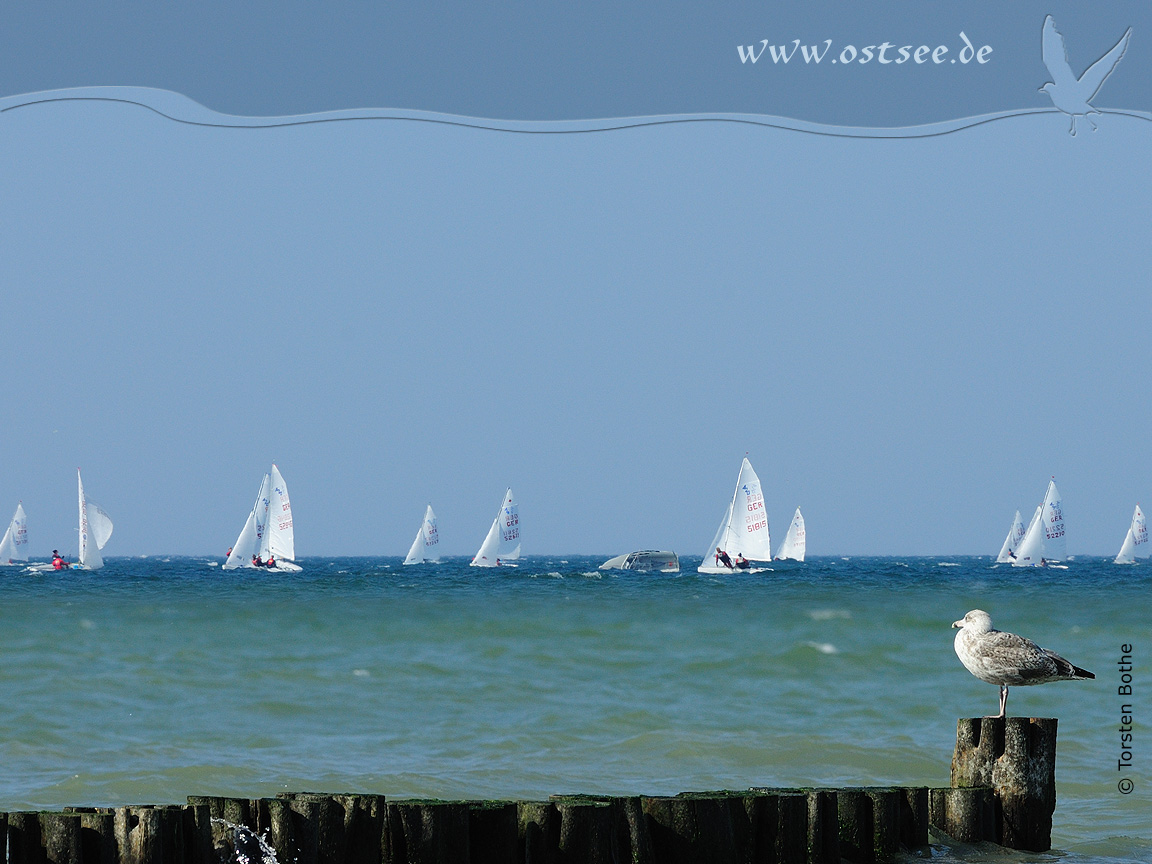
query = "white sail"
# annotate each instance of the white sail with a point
(14, 546)
(280, 538)
(1015, 535)
(95, 529)
(1044, 540)
(503, 540)
(794, 543)
(744, 528)
(424, 546)
(99, 523)
(252, 534)
(1033, 535)
(1136, 541)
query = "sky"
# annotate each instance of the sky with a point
(907, 337)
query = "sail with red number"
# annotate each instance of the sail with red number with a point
(1135, 541)
(502, 545)
(1044, 541)
(795, 541)
(268, 533)
(743, 532)
(14, 546)
(424, 549)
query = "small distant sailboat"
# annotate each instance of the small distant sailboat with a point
(502, 545)
(794, 543)
(1136, 541)
(424, 549)
(268, 531)
(14, 546)
(95, 529)
(744, 528)
(1012, 541)
(1044, 541)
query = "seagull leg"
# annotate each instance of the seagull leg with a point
(1072, 131)
(1003, 700)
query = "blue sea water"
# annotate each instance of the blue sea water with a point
(154, 679)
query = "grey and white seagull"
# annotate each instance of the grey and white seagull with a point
(1070, 94)
(1007, 659)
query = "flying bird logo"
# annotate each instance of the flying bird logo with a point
(1068, 93)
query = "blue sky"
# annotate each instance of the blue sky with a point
(907, 337)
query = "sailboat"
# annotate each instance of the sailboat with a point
(268, 530)
(1136, 541)
(1015, 535)
(502, 545)
(95, 529)
(744, 528)
(423, 549)
(14, 546)
(1044, 541)
(794, 543)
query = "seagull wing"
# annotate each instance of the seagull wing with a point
(1013, 657)
(1095, 74)
(1056, 55)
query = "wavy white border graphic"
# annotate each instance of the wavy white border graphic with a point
(1070, 95)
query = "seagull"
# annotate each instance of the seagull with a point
(1007, 659)
(1070, 94)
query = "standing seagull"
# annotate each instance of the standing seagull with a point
(1007, 659)
(1070, 94)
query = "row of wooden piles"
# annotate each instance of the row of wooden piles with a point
(760, 826)
(1003, 790)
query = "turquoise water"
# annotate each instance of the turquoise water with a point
(154, 679)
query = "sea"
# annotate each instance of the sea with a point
(157, 678)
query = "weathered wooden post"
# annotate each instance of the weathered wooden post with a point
(696, 829)
(425, 832)
(24, 846)
(632, 829)
(492, 832)
(274, 823)
(914, 818)
(197, 828)
(60, 835)
(823, 827)
(1016, 757)
(967, 815)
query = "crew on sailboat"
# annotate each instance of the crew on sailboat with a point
(742, 563)
(722, 558)
(58, 563)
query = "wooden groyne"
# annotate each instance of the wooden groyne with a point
(1002, 791)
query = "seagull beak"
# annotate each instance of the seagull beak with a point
(959, 623)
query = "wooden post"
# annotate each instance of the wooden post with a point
(632, 830)
(60, 835)
(274, 823)
(197, 827)
(587, 830)
(965, 815)
(914, 819)
(869, 823)
(823, 827)
(492, 832)
(697, 828)
(425, 832)
(1016, 756)
(24, 846)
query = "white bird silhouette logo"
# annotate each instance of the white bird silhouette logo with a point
(1070, 94)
